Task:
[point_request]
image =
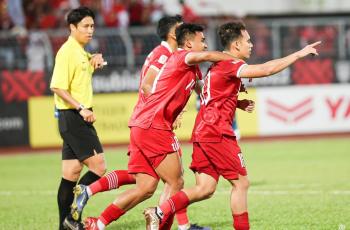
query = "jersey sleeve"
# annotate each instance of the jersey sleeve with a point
(159, 60)
(60, 76)
(234, 68)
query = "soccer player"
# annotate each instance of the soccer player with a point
(153, 63)
(72, 87)
(215, 150)
(153, 145)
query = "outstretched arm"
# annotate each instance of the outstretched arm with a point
(212, 56)
(277, 65)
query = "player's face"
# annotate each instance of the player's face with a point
(245, 45)
(83, 31)
(198, 42)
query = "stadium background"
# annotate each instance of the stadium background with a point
(311, 97)
(295, 184)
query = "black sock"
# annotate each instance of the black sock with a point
(65, 198)
(88, 178)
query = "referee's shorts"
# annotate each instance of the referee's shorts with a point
(80, 140)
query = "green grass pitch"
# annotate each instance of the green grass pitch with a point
(302, 184)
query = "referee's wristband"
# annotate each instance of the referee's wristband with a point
(81, 107)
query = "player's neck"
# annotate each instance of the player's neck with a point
(235, 56)
(172, 44)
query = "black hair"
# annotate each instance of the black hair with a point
(185, 30)
(76, 15)
(229, 32)
(165, 24)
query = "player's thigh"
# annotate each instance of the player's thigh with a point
(226, 157)
(201, 162)
(155, 142)
(170, 169)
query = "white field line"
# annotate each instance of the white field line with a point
(218, 192)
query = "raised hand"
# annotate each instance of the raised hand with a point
(97, 61)
(309, 49)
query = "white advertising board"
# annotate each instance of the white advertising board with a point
(303, 109)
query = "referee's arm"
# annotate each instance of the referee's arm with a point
(65, 95)
(88, 115)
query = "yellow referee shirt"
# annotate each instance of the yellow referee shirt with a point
(73, 72)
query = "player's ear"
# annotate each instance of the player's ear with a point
(172, 35)
(188, 43)
(236, 45)
(72, 27)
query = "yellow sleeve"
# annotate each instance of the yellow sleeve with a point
(61, 74)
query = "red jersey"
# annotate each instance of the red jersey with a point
(218, 102)
(156, 60)
(170, 92)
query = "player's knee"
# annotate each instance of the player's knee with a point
(147, 191)
(245, 184)
(205, 192)
(180, 183)
(242, 184)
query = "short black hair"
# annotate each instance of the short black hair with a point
(165, 24)
(229, 32)
(185, 30)
(76, 15)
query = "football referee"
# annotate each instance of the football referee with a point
(72, 86)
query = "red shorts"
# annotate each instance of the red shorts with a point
(148, 148)
(220, 158)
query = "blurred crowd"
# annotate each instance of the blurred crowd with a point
(21, 15)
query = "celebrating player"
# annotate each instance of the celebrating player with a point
(215, 150)
(153, 145)
(153, 63)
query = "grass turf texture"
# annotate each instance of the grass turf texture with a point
(294, 185)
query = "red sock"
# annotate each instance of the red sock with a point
(241, 221)
(112, 180)
(181, 216)
(175, 203)
(167, 222)
(111, 213)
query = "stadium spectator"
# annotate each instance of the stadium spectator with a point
(5, 19)
(115, 13)
(153, 12)
(15, 10)
(136, 13)
(188, 14)
(215, 150)
(72, 85)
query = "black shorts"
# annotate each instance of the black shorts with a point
(80, 140)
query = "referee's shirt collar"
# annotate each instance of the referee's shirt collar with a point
(73, 41)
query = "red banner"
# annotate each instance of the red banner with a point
(309, 71)
(18, 86)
